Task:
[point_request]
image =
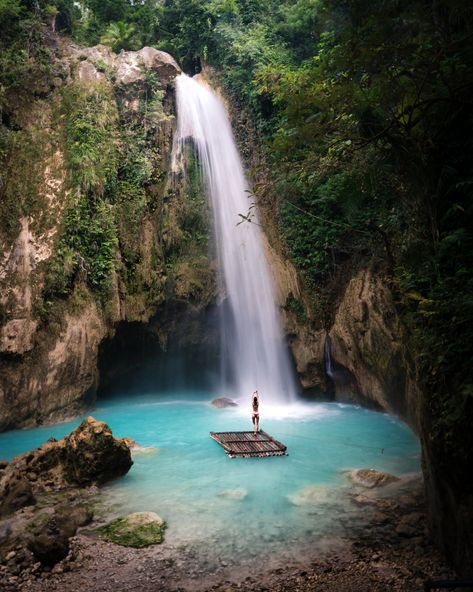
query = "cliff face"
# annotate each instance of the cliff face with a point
(368, 351)
(81, 253)
(370, 362)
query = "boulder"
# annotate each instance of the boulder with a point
(222, 402)
(370, 478)
(49, 532)
(90, 454)
(15, 493)
(138, 530)
(131, 65)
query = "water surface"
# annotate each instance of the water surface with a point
(225, 509)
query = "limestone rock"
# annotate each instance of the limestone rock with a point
(367, 349)
(49, 371)
(50, 543)
(222, 402)
(370, 478)
(90, 454)
(131, 65)
(138, 530)
(88, 72)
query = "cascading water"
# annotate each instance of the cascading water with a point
(328, 357)
(254, 351)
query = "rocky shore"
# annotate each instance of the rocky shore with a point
(47, 494)
(389, 550)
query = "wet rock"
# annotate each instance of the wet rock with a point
(310, 495)
(90, 454)
(370, 478)
(135, 448)
(138, 530)
(362, 500)
(223, 402)
(15, 493)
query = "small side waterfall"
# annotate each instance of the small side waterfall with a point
(328, 357)
(255, 355)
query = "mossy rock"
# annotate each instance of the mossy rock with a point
(137, 530)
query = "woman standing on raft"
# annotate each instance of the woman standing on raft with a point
(255, 416)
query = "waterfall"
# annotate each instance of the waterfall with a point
(253, 348)
(328, 357)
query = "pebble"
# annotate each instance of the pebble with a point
(377, 558)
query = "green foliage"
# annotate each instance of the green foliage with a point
(131, 204)
(186, 32)
(85, 249)
(21, 181)
(91, 137)
(192, 215)
(297, 307)
(120, 35)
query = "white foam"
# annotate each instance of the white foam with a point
(297, 410)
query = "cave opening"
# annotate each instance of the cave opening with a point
(177, 350)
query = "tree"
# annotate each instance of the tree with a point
(120, 35)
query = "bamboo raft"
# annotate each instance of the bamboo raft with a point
(248, 444)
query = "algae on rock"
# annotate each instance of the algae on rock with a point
(137, 530)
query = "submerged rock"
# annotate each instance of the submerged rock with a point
(234, 494)
(311, 495)
(135, 448)
(222, 402)
(138, 530)
(370, 478)
(90, 454)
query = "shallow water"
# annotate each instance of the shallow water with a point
(225, 509)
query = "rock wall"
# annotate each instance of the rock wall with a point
(368, 348)
(49, 344)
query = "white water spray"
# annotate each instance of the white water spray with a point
(253, 348)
